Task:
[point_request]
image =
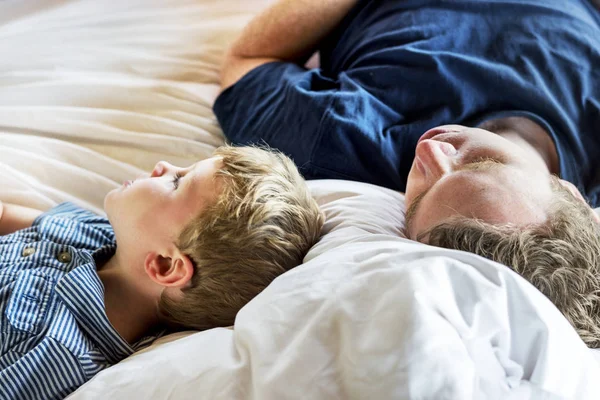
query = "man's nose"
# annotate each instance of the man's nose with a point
(437, 157)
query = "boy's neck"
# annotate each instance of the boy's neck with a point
(130, 311)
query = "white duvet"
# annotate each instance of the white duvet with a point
(95, 92)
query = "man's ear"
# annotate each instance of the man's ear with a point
(175, 271)
(573, 189)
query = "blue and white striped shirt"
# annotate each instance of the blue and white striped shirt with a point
(54, 332)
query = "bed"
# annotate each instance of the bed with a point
(93, 92)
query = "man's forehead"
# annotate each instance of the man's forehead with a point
(494, 191)
(501, 195)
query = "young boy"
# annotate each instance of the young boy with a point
(194, 245)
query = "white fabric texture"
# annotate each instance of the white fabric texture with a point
(94, 92)
(372, 315)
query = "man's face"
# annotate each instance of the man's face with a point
(477, 174)
(151, 211)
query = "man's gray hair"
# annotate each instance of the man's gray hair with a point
(560, 257)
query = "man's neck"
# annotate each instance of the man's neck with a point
(130, 311)
(528, 135)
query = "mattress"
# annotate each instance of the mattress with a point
(93, 93)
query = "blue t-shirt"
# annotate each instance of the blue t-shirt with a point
(394, 69)
(54, 332)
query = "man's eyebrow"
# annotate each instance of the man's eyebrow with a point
(481, 165)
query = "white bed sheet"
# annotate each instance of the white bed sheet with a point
(93, 92)
(372, 315)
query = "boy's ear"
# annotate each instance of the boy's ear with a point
(575, 192)
(175, 271)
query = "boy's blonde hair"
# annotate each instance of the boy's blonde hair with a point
(261, 225)
(561, 257)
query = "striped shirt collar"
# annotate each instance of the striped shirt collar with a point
(82, 292)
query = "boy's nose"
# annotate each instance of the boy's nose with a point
(159, 169)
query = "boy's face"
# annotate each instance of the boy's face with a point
(149, 212)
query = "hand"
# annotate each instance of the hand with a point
(14, 217)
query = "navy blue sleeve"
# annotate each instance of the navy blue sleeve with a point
(394, 69)
(279, 104)
(333, 128)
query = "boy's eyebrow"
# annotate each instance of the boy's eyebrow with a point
(185, 182)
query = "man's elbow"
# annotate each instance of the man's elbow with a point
(228, 67)
(235, 67)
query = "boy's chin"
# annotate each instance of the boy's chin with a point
(108, 200)
(113, 192)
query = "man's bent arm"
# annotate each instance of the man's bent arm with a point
(14, 217)
(289, 30)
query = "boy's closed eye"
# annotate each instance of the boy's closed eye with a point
(176, 179)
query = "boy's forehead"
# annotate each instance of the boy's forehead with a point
(208, 166)
(203, 182)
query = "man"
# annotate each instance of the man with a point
(519, 78)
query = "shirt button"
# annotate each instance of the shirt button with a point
(27, 251)
(64, 257)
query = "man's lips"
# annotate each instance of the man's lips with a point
(420, 166)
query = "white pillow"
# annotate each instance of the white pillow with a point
(371, 315)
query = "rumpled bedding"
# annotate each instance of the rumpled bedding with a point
(95, 92)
